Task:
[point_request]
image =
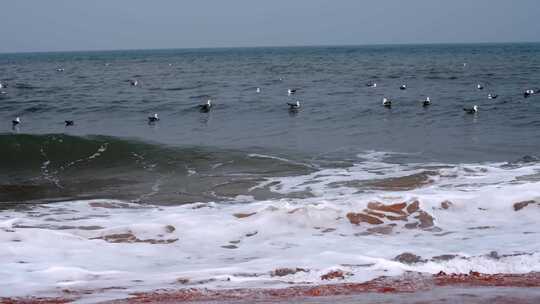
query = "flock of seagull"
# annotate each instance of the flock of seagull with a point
(293, 106)
(427, 102)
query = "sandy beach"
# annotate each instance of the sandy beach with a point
(410, 288)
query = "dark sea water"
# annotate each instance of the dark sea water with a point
(291, 178)
(340, 112)
(340, 116)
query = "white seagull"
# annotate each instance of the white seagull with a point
(153, 118)
(16, 121)
(386, 102)
(206, 107)
(294, 105)
(472, 110)
(528, 93)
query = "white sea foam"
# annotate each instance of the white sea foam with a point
(84, 245)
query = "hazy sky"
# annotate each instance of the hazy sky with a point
(51, 25)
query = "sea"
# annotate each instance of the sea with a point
(252, 194)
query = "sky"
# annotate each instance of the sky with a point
(64, 25)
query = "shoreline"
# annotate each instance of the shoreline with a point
(409, 288)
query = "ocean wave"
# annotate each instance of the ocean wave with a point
(57, 166)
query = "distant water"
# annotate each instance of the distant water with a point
(340, 113)
(257, 186)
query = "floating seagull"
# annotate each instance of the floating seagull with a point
(386, 102)
(258, 90)
(291, 92)
(134, 82)
(371, 84)
(2, 85)
(479, 86)
(472, 110)
(528, 93)
(16, 121)
(490, 96)
(206, 107)
(403, 87)
(69, 123)
(426, 102)
(153, 118)
(294, 105)
(60, 69)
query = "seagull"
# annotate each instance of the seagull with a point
(69, 123)
(16, 121)
(528, 93)
(403, 87)
(386, 102)
(291, 92)
(206, 107)
(371, 84)
(490, 96)
(154, 118)
(472, 110)
(2, 85)
(258, 90)
(294, 105)
(426, 102)
(134, 82)
(60, 69)
(479, 86)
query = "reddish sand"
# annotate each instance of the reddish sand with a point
(417, 288)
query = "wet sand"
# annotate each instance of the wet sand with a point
(410, 288)
(440, 295)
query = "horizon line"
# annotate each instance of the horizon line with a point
(267, 46)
